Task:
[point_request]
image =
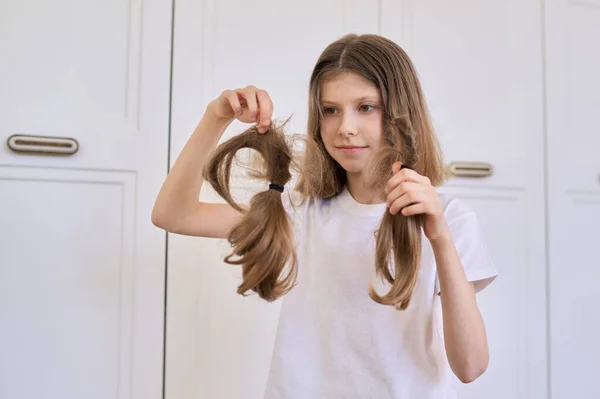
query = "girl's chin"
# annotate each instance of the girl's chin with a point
(352, 167)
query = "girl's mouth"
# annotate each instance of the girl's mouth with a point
(351, 149)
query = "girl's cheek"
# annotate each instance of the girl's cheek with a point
(327, 127)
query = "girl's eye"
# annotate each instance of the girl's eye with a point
(329, 110)
(366, 108)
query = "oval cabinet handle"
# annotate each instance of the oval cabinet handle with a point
(42, 144)
(470, 169)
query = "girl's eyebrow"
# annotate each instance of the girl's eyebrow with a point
(358, 100)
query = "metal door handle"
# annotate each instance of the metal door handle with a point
(470, 169)
(42, 144)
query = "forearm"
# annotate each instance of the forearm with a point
(464, 330)
(181, 188)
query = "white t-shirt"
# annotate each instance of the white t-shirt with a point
(334, 341)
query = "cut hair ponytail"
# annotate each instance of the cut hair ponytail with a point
(398, 240)
(263, 241)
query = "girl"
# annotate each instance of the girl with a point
(338, 335)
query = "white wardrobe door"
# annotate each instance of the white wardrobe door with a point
(81, 265)
(573, 82)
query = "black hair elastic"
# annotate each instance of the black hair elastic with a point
(405, 166)
(276, 187)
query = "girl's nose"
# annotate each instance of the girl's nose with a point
(347, 127)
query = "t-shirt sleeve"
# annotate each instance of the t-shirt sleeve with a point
(470, 243)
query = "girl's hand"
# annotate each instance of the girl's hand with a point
(410, 194)
(248, 105)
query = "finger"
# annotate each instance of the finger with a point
(408, 199)
(406, 174)
(234, 102)
(401, 189)
(416, 209)
(249, 94)
(266, 110)
(414, 176)
(400, 177)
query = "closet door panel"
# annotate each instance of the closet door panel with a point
(573, 100)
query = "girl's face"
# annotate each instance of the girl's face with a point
(352, 125)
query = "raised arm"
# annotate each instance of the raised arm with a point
(177, 208)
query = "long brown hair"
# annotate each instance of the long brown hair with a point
(262, 242)
(263, 239)
(398, 240)
(411, 138)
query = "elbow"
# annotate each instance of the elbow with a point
(471, 371)
(467, 377)
(158, 220)
(161, 220)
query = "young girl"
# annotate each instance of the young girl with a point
(338, 336)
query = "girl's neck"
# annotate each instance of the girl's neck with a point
(360, 192)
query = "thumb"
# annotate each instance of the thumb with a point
(396, 167)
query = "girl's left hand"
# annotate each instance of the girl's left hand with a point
(410, 194)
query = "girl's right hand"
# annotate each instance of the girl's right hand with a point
(248, 105)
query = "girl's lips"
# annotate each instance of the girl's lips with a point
(351, 150)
